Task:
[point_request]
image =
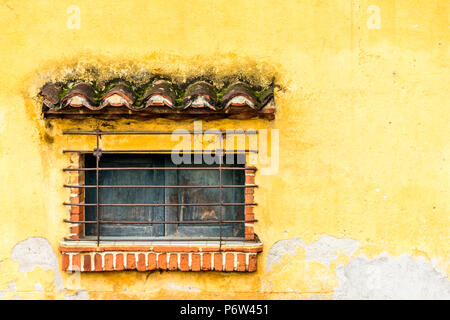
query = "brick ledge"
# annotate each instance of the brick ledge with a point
(86, 256)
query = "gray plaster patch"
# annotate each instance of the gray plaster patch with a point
(280, 248)
(79, 295)
(387, 277)
(324, 250)
(327, 249)
(34, 252)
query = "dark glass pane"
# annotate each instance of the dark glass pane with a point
(127, 195)
(211, 195)
(165, 195)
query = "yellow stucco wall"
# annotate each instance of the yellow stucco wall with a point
(362, 114)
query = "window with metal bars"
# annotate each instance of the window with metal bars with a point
(144, 195)
(148, 196)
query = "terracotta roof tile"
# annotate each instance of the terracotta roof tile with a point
(119, 95)
(51, 94)
(266, 96)
(239, 94)
(82, 94)
(162, 98)
(200, 95)
(160, 93)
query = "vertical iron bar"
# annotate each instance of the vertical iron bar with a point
(97, 154)
(220, 190)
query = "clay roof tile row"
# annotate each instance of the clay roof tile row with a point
(160, 93)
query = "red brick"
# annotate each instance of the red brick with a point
(75, 200)
(249, 210)
(151, 261)
(206, 262)
(141, 262)
(240, 262)
(249, 217)
(252, 263)
(229, 262)
(249, 233)
(195, 262)
(173, 261)
(249, 198)
(76, 210)
(98, 262)
(76, 217)
(87, 262)
(65, 262)
(249, 178)
(109, 262)
(76, 262)
(75, 231)
(162, 261)
(131, 261)
(119, 262)
(184, 262)
(218, 262)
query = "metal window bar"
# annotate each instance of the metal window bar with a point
(97, 152)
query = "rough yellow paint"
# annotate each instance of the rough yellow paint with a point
(362, 114)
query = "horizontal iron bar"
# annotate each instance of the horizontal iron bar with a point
(159, 186)
(165, 239)
(99, 132)
(160, 222)
(161, 168)
(157, 204)
(166, 151)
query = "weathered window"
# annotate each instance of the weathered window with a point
(144, 209)
(171, 201)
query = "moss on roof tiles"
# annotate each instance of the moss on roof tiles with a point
(178, 90)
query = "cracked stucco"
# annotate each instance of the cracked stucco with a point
(280, 248)
(356, 277)
(325, 250)
(34, 252)
(387, 277)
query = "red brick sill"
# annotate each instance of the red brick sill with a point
(86, 256)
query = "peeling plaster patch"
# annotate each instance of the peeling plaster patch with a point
(16, 297)
(34, 252)
(324, 250)
(79, 295)
(280, 248)
(175, 286)
(441, 265)
(387, 277)
(3, 293)
(328, 249)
